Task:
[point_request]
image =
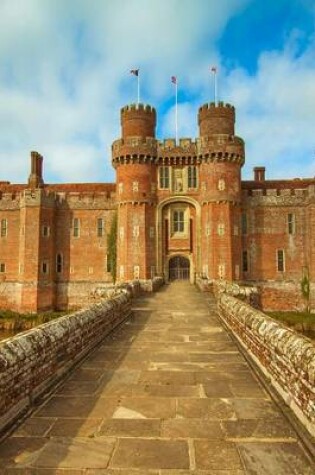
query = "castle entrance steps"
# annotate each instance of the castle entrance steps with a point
(167, 393)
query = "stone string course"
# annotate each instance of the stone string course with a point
(33, 361)
(286, 358)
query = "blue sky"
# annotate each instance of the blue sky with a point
(64, 74)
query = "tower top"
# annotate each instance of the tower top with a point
(216, 119)
(138, 120)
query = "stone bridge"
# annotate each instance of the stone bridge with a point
(168, 392)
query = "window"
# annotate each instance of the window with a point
(192, 177)
(221, 184)
(76, 227)
(59, 263)
(136, 272)
(45, 231)
(100, 227)
(4, 227)
(45, 267)
(135, 186)
(244, 223)
(135, 231)
(245, 261)
(221, 229)
(221, 271)
(151, 232)
(2, 267)
(164, 177)
(108, 263)
(280, 260)
(178, 221)
(291, 223)
(120, 188)
(121, 233)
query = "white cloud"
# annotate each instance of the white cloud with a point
(64, 74)
(276, 112)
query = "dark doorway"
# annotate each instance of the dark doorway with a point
(179, 268)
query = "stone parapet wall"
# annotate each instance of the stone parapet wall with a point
(286, 358)
(151, 285)
(32, 362)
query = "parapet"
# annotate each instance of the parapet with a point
(138, 120)
(216, 119)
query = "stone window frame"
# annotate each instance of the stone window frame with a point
(46, 230)
(135, 186)
(121, 233)
(45, 267)
(221, 184)
(291, 223)
(100, 227)
(2, 267)
(221, 229)
(59, 263)
(136, 231)
(76, 225)
(164, 177)
(192, 177)
(280, 260)
(151, 232)
(4, 227)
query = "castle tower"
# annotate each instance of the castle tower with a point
(134, 156)
(222, 156)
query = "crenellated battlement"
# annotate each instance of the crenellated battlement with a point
(139, 108)
(220, 106)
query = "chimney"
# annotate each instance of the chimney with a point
(35, 180)
(259, 173)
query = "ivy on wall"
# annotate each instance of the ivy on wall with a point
(112, 248)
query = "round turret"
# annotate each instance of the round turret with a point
(138, 120)
(216, 119)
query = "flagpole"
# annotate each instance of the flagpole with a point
(176, 115)
(138, 92)
(215, 85)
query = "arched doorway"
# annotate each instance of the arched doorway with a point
(179, 268)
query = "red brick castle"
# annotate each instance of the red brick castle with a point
(182, 210)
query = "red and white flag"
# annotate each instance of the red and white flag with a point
(135, 72)
(174, 79)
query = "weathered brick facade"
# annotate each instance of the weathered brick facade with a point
(182, 210)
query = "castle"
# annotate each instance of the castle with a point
(182, 212)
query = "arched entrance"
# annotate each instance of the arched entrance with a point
(179, 268)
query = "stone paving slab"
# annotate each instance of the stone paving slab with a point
(168, 393)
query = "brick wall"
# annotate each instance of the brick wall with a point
(286, 358)
(32, 362)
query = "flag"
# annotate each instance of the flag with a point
(174, 79)
(135, 72)
(213, 69)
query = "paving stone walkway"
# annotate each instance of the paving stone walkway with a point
(168, 393)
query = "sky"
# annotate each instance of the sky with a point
(65, 73)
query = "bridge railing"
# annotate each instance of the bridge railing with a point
(286, 358)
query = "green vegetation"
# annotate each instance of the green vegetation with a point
(303, 322)
(112, 248)
(305, 289)
(29, 317)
